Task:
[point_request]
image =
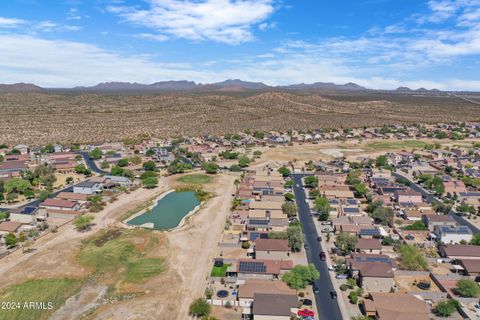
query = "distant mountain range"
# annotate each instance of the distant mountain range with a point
(234, 85)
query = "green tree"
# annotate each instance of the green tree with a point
(4, 215)
(289, 196)
(210, 167)
(301, 276)
(95, 154)
(149, 166)
(122, 162)
(284, 171)
(346, 242)
(83, 222)
(235, 168)
(445, 308)
(43, 195)
(150, 182)
(81, 169)
(243, 161)
(200, 308)
(382, 215)
(150, 153)
(475, 240)
(310, 181)
(417, 225)
(412, 259)
(381, 161)
(467, 288)
(96, 203)
(290, 209)
(17, 185)
(322, 205)
(11, 240)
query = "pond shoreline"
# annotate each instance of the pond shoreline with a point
(151, 225)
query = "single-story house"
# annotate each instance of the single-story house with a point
(9, 227)
(406, 196)
(87, 187)
(453, 234)
(262, 269)
(373, 246)
(269, 306)
(399, 306)
(460, 251)
(60, 204)
(431, 221)
(471, 267)
(273, 249)
(247, 291)
(376, 276)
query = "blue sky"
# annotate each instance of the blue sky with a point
(375, 43)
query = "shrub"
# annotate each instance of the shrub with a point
(467, 288)
(200, 308)
(246, 245)
(343, 287)
(353, 297)
(446, 308)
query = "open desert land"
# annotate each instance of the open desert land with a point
(89, 118)
(112, 272)
(351, 150)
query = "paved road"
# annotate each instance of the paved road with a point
(429, 198)
(327, 307)
(91, 164)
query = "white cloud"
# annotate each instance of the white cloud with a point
(149, 36)
(10, 22)
(226, 21)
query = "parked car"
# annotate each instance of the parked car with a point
(316, 290)
(326, 223)
(326, 230)
(333, 294)
(306, 246)
(341, 276)
(331, 268)
(307, 302)
(297, 185)
(322, 255)
(306, 201)
(319, 238)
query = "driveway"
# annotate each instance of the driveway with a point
(327, 307)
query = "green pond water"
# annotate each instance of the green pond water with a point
(169, 211)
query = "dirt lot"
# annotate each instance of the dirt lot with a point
(352, 149)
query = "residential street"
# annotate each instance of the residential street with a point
(327, 307)
(429, 198)
(91, 164)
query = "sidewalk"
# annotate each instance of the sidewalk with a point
(346, 312)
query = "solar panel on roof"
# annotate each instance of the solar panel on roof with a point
(251, 267)
(369, 232)
(259, 222)
(351, 210)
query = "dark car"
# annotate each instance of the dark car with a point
(333, 294)
(305, 246)
(319, 238)
(307, 302)
(323, 257)
(316, 290)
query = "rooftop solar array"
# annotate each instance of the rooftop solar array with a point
(369, 232)
(372, 259)
(258, 222)
(251, 267)
(351, 210)
(255, 235)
